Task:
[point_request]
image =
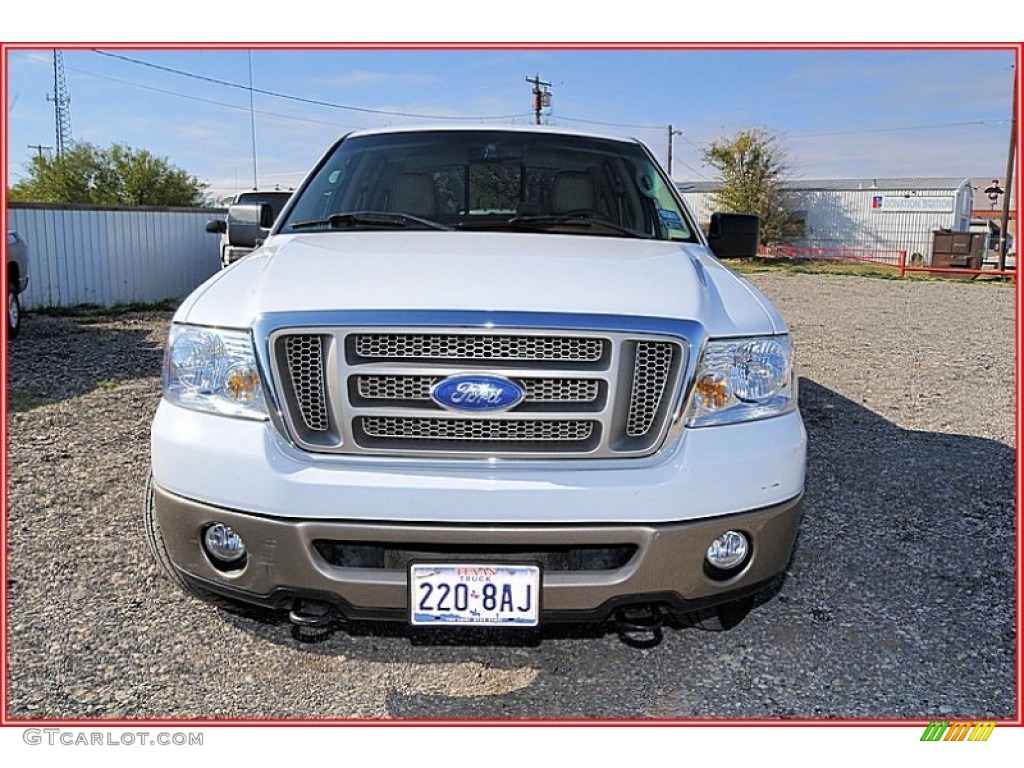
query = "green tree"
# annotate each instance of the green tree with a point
(118, 175)
(752, 168)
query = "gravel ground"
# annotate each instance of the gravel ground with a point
(899, 602)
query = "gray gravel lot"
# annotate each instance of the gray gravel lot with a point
(899, 602)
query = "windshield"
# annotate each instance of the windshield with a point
(492, 180)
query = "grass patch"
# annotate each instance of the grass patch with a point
(22, 402)
(803, 267)
(96, 312)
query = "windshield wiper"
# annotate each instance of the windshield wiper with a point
(375, 219)
(574, 220)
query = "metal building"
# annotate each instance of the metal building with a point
(876, 215)
(87, 254)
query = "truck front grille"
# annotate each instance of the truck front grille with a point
(368, 391)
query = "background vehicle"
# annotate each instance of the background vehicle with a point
(274, 200)
(480, 376)
(17, 281)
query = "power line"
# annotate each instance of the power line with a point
(687, 165)
(931, 126)
(303, 99)
(698, 147)
(895, 128)
(614, 125)
(223, 105)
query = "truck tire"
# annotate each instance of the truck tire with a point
(13, 312)
(722, 618)
(155, 537)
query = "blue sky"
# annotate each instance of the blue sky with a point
(837, 113)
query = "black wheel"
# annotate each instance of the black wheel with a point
(13, 312)
(155, 537)
(722, 618)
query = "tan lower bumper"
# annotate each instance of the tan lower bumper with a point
(283, 564)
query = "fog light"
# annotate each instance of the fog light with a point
(223, 544)
(728, 550)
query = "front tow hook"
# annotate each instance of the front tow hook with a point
(311, 620)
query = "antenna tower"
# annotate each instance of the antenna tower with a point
(61, 105)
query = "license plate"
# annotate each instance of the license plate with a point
(474, 594)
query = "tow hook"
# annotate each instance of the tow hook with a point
(311, 620)
(640, 626)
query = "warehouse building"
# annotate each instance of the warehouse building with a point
(882, 216)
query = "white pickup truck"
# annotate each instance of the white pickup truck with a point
(486, 377)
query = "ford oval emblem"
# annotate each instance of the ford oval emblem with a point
(472, 392)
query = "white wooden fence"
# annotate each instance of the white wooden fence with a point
(110, 256)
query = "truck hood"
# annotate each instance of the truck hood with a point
(514, 272)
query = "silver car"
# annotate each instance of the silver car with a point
(17, 281)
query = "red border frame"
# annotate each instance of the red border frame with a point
(6, 721)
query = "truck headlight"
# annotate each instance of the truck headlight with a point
(215, 370)
(743, 380)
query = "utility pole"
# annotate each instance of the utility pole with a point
(39, 149)
(671, 134)
(61, 104)
(541, 96)
(1005, 219)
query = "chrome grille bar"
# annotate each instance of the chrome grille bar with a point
(417, 388)
(448, 346)
(502, 430)
(365, 390)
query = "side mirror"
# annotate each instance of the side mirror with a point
(734, 235)
(217, 226)
(247, 224)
